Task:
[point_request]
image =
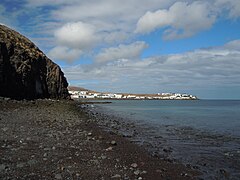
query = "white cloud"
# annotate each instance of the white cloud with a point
(233, 6)
(181, 20)
(108, 14)
(84, 24)
(130, 51)
(76, 35)
(199, 69)
(115, 36)
(233, 45)
(64, 53)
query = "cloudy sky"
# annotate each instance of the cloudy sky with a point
(146, 46)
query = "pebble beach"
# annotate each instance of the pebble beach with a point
(49, 139)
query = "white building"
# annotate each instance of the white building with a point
(75, 96)
(118, 96)
(83, 92)
(131, 96)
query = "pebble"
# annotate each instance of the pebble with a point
(140, 178)
(109, 148)
(228, 154)
(184, 174)
(134, 165)
(20, 165)
(114, 143)
(159, 171)
(2, 167)
(32, 162)
(89, 134)
(223, 171)
(5, 129)
(58, 176)
(163, 169)
(167, 150)
(116, 176)
(137, 172)
(103, 157)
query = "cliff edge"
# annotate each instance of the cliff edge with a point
(26, 72)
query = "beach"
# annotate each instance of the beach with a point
(203, 135)
(49, 139)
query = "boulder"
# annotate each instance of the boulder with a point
(26, 72)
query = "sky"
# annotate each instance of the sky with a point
(147, 46)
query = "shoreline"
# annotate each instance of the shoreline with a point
(214, 155)
(109, 99)
(65, 141)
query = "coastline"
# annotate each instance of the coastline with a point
(67, 141)
(212, 153)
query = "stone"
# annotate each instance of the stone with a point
(20, 165)
(167, 150)
(109, 148)
(5, 129)
(117, 176)
(58, 176)
(137, 172)
(114, 143)
(26, 72)
(32, 162)
(134, 165)
(2, 167)
(103, 157)
(184, 174)
(223, 171)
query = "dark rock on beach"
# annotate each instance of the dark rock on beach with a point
(25, 71)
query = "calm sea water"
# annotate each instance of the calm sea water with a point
(203, 133)
(219, 116)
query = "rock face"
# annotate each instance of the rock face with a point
(25, 72)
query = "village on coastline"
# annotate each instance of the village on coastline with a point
(80, 93)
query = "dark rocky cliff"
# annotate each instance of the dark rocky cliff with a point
(25, 72)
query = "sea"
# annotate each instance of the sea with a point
(202, 134)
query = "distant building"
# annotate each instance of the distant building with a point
(90, 95)
(83, 92)
(118, 96)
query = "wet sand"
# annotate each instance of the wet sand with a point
(47, 139)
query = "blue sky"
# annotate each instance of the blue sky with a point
(154, 46)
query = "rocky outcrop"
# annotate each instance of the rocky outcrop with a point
(25, 72)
